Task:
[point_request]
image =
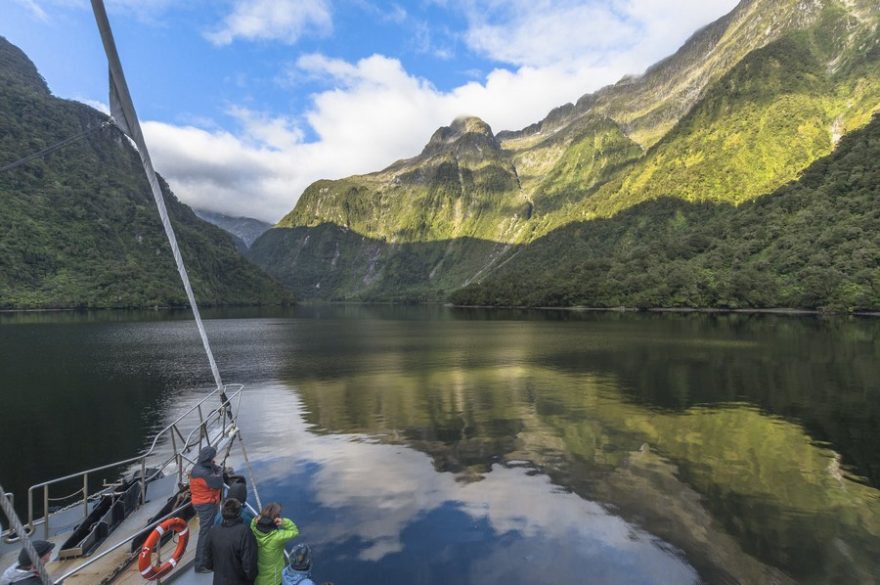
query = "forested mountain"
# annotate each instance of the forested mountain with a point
(79, 228)
(742, 109)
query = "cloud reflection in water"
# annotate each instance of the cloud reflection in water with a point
(369, 507)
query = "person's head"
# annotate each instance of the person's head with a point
(237, 488)
(207, 454)
(271, 511)
(231, 509)
(301, 558)
(43, 548)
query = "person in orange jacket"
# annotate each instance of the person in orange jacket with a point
(206, 488)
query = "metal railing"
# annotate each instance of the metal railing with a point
(220, 421)
(146, 530)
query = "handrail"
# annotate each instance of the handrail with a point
(227, 428)
(149, 527)
(103, 554)
(230, 391)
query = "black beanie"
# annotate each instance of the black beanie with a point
(231, 509)
(41, 546)
(237, 488)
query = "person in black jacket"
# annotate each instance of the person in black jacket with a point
(231, 550)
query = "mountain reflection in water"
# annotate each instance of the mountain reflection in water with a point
(426, 445)
(380, 513)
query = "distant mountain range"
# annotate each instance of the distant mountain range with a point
(630, 184)
(245, 229)
(79, 228)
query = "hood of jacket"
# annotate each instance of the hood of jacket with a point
(206, 454)
(15, 575)
(263, 527)
(291, 576)
(227, 522)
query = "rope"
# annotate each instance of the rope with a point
(19, 529)
(54, 147)
(126, 119)
(250, 469)
(67, 497)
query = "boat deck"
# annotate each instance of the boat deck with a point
(112, 562)
(188, 576)
(118, 567)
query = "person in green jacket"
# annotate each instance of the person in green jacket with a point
(272, 533)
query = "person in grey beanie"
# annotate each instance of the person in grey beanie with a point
(206, 487)
(24, 572)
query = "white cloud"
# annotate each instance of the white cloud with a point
(35, 9)
(539, 33)
(373, 112)
(279, 133)
(144, 10)
(395, 13)
(277, 20)
(98, 105)
(522, 32)
(219, 171)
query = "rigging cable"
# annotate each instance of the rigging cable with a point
(126, 119)
(11, 515)
(58, 145)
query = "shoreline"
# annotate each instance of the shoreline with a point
(784, 311)
(155, 308)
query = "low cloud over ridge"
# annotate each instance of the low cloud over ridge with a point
(375, 112)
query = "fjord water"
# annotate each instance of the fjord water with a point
(430, 445)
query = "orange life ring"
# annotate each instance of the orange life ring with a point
(148, 570)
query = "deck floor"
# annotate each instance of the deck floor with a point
(120, 562)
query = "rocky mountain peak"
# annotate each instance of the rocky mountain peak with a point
(466, 138)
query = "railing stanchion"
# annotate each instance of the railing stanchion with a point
(143, 480)
(178, 460)
(30, 510)
(201, 427)
(46, 511)
(85, 495)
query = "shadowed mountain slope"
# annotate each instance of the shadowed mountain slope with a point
(245, 229)
(79, 228)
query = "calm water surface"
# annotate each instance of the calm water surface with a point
(426, 445)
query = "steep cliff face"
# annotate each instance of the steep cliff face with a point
(742, 108)
(462, 183)
(422, 225)
(79, 228)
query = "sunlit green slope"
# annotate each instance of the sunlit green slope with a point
(811, 244)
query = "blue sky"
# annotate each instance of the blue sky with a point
(246, 102)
